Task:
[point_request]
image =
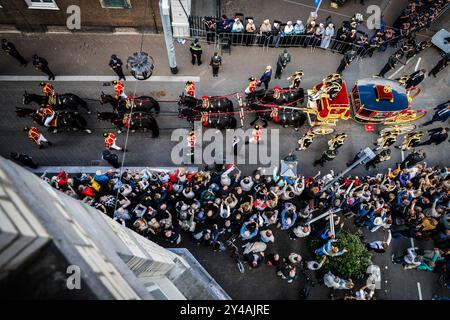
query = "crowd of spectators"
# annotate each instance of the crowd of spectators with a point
(208, 207)
(416, 16)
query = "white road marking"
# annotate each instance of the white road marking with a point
(409, 60)
(417, 64)
(412, 242)
(420, 291)
(99, 78)
(403, 158)
(395, 73)
(314, 8)
(215, 84)
(93, 169)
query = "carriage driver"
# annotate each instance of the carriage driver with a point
(47, 114)
(119, 88)
(189, 89)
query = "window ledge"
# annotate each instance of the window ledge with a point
(34, 7)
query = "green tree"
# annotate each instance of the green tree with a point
(352, 264)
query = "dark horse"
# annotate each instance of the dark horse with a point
(63, 120)
(139, 120)
(142, 104)
(192, 109)
(261, 101)
(67, 101)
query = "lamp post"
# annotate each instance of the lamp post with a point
(164, 9)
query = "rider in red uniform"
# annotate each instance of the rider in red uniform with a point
(119, 88)
(190, 88)
(252, 85)
(110, 141)
(35, 136)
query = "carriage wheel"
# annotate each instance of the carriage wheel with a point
(322, 130)
(404, 128)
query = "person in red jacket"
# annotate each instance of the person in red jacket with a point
(190, 88)
(110, 141)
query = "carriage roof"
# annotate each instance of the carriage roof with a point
(368, 96)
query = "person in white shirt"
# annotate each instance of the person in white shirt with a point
(380, 246)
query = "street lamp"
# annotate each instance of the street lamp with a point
(140, 65)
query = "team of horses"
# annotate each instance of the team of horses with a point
(139, 113)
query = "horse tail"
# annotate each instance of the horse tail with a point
(155, 128)
(22, 112)
(157, 107)
(83, 104)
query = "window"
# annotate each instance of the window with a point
(116, 4)
(42, 4)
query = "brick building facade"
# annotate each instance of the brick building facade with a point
(96, 15)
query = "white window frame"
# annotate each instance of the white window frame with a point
(42, 5)
(102, 3)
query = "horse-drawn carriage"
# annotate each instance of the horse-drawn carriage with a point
(371, 101)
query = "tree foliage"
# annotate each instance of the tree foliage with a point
(352, 264)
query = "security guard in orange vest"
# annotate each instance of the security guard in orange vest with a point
(190, 88)
(110, 141)
(119, 88)
(37, 137)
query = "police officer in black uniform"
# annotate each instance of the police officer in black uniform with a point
(42, 65)
(12, 51)
(392, 62)
(216, 62)
(328, 155)
(196, 52)
(116, 64)
(349, 56)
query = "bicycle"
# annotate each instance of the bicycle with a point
(230, 243)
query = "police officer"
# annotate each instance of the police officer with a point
(283, 59)
(383, 156)
(41, 64)
(111, 158)
(328, 155)
(216, 62)
(10, 49)
(196, 52)
(440, 65)
(349, 56)
(37, 137)
(415, 79)
(413, 158)
(392, 62)
(437, 136)
(116, 65)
